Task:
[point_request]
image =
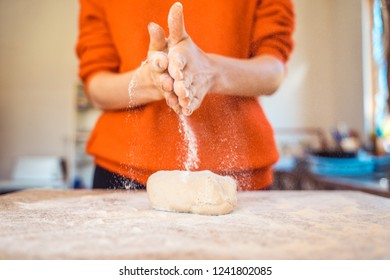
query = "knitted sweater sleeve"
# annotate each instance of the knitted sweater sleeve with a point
(95, 48)
(273, 30)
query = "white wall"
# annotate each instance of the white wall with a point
(324, 83)
(38, 73)
(348, 62)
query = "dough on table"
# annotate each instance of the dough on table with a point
(199, 192)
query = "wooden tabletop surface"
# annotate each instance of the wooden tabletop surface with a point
(85, 224)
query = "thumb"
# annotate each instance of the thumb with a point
(157, 37)
(177, 31)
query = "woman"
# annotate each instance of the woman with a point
(210, 67)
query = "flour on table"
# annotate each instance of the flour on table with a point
(200, 192)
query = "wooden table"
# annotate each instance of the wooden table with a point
(49, 224)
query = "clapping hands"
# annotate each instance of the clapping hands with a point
(179, 68)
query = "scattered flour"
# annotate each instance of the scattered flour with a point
(192, 161)
(133, 82)
(43, 224)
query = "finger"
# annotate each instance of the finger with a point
(171, 100)
(194, 104)
(185, 102)
(166, 82)
(186, 111)
(182, 89)
(158, 60)
(183, 93)
(177, 31)
(176, 65)
(157, 37)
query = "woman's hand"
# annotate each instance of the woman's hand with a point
(182, 74)
(158, 61)
(186, 74)
(190, 68)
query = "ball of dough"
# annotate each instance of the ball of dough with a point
(199, 192)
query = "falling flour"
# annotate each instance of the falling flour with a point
(192, 160)
(133, 82)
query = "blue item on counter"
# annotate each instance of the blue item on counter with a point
(382, 163)
(348, 165)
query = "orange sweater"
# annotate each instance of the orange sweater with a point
(234, 138)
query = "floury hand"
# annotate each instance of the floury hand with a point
(158, 60)
(190, 68)
(180, 68)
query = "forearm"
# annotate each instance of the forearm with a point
(109, 91)
(246, 77)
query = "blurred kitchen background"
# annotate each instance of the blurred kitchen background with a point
(333, 100)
